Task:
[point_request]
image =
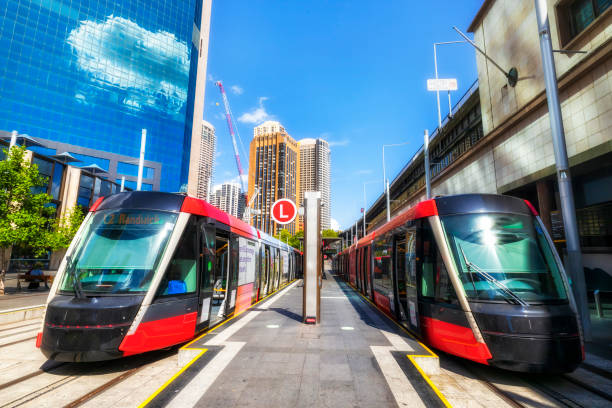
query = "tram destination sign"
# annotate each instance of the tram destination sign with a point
(283, 211)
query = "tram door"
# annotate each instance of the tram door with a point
(207, 266)
(399, 275)
(219, 303)
(411, 279)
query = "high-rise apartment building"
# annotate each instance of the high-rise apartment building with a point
(87, 76)
(315, 175)
(274, 170)
(228, 197)
(206, 160)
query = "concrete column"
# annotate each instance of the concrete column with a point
(312, 257)
(545, 198)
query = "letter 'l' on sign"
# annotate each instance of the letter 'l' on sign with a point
(283, 211)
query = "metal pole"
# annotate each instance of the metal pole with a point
(427, 172)
(437, 92)
(385, 184)
(122, 183)
(450, 108)
(143, 142)
(598, 308)
(13, 139)
(388, 202)
(568, 210)
(364, 210)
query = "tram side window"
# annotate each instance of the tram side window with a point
(382, 264)
(234, 261)
(411, 259)
(435, 282)
(180, 277)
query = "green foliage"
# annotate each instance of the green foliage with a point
(285, 236)
(329, 233)
(23, 215)
(65, 228)
(25, 218)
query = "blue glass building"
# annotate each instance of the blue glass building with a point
(85, 76)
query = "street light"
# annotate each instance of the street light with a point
(568, 209)
(365, 203)
(385, 181)
(450, 110)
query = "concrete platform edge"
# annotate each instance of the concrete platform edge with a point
(20, 314)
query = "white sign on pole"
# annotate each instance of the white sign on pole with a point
(442, 84)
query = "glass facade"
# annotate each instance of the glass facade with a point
(93, 73)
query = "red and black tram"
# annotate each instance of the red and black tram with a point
(148, 270)
(476, 276)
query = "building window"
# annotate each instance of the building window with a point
(575, 16)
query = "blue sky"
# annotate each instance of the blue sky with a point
(352, 72)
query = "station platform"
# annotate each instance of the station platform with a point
(356, 356)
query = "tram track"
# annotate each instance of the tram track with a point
(563, 390)
(70, 372)
(38, 372)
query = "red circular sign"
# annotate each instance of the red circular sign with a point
(283, 211)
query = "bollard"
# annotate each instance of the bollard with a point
(598, 308)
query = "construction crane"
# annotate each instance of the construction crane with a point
(228, 116)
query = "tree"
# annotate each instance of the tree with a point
(26, 220)
(329, 233)
(65, 228)
(285, 236)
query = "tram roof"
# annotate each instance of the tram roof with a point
(455, 204)
(155, 200)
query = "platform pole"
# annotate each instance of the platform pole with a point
(574, 263)
(311, 305)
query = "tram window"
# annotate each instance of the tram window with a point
(411, 259)
(208, 257)
(435, 282)
(234, 262)
(400, 262)
(181, 277)
(382, 264)
(119, 251)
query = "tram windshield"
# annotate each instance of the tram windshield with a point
(118, 252)
(504, 257)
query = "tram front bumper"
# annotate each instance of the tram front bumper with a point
(534, 354)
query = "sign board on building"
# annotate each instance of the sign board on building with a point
(283, 211)
(442, 84)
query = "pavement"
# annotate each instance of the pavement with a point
(15, 298)
(355, 357)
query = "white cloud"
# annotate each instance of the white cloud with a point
(218, 154)
(335, 225)
(256, 115)
(363, 171)
(145, 69)
(236, 90)
(343, 142)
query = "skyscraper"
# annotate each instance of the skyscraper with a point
(87, 76)
(274, 170)
(205, 160)
(228, 197)
(315, 169)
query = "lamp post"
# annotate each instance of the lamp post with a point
(143, 142)
(365, 203)
(426, 164)
(385, 181)
(450, 111)
(568, 209)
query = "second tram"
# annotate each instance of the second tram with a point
(476, 276)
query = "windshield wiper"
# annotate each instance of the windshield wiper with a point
(76, 283)
(491, 279)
